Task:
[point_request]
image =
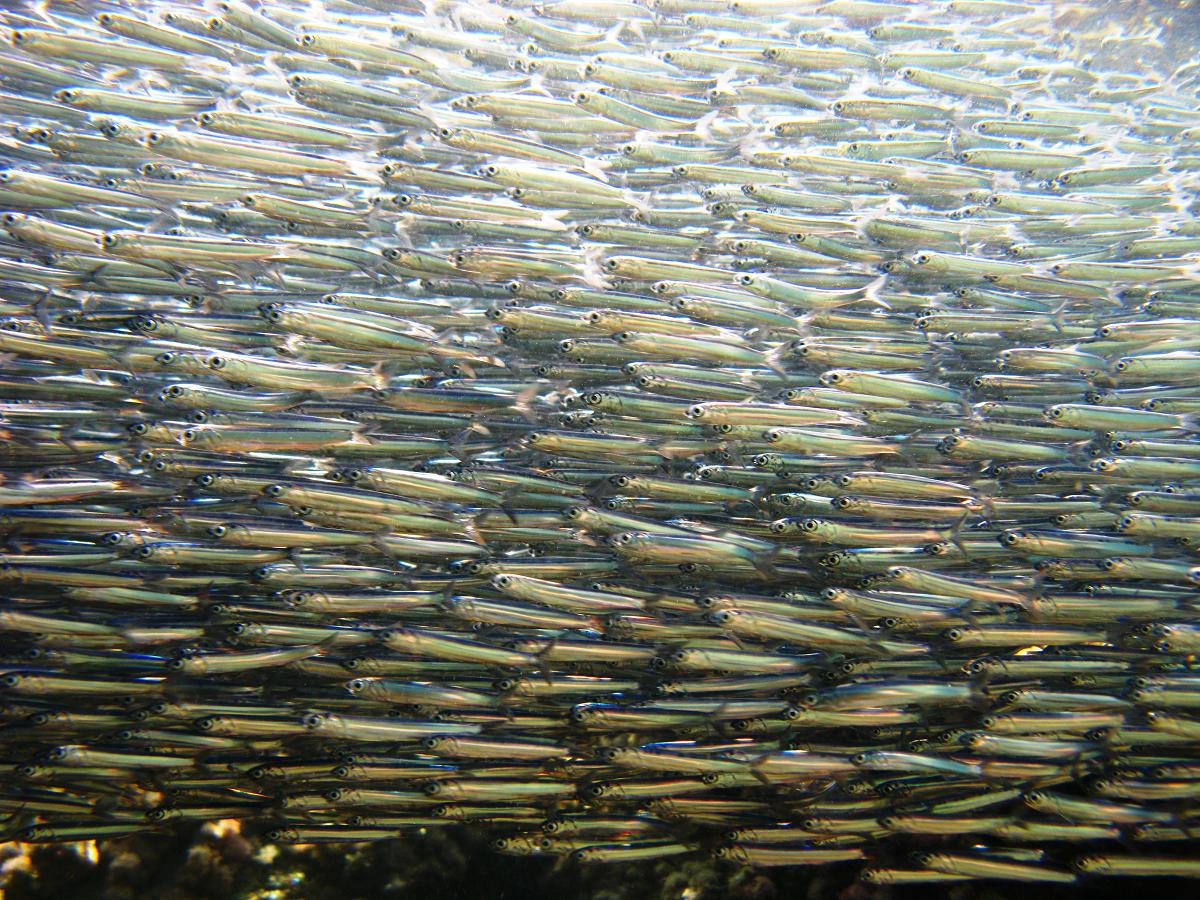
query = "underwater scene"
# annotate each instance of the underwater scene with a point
(599, 448)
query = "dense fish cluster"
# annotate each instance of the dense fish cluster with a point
(763, 429)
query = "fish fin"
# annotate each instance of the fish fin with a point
(638, 203)
(595, 169)
(860, 623)
(613, 35)
(537, 85)
(375, 219)
(41, 313)
(967, 613)
(764, 563)
(737, 640)
(324, 644)
(471, 529)
(523, 403)
(585, 538)
(703, 127)
(871, 292)
(593, 272)
(954, 535)
(773, 361)
(544, 669)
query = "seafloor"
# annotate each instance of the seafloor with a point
(193, 862)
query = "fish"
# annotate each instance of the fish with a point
(638, 429)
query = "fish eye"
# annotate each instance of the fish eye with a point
(154, 138)
(216, 362)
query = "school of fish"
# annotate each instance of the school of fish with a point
(765, 429)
